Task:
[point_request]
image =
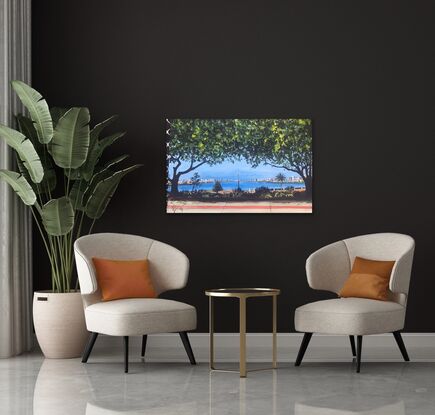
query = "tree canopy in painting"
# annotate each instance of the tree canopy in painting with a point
(283, 143)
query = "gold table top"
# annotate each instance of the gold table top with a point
(242, 292)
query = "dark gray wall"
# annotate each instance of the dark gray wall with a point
(362, 70)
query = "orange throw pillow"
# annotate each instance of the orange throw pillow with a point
(123, 279)
(371, 266)
(368, 279)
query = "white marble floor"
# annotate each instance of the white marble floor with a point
(30, 384)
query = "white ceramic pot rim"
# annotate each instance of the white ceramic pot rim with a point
(53, 293)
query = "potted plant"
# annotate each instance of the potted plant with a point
(67, 188)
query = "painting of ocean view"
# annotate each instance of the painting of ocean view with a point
(228, 185)
(239, 166)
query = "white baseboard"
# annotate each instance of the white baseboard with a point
(327, 348)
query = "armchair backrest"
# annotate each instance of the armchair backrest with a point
(169, 267)
(329, 267)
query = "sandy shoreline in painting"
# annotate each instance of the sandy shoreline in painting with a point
(239, 207)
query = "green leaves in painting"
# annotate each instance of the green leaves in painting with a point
(283, 143)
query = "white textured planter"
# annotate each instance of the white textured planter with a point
(59, 324)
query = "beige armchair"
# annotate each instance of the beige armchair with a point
(169, 269)
(328, 268)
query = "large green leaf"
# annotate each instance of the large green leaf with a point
(26, 127)
(70, 143)
(113, 162)
(87, 169)
(20, 185)
(24, 172)
(96, 131)
(94, 153)
(103, 173)
(103, 192)
(56, 114)
(108, 141)
(96, 178)
(96, 150)
(38, 110)
(58, 216)
(48, 183)
(73, 174)
(76, 195)
(25, 150)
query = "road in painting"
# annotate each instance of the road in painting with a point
(239, 166)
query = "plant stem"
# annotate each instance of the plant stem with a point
(63, 240)
(92, 226)
(64, 185)
(55, 275)
(78, 233)
(67, 186)
(49, 253)
(59, 240)
(79, 230)
(45, 163)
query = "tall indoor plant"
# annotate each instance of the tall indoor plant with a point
(67, 187)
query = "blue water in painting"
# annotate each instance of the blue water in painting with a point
(228, 172)
(248, 185)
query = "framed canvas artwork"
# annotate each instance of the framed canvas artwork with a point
(239, 166)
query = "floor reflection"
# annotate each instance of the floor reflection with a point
(176, 409)
(69, 387)
(64, 387)
(351, 405)
(269, 389)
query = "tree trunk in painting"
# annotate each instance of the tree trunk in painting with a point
(308, 185)
(174, 184)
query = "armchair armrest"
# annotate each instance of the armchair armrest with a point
(328, 267)
(401, 273)
(85, 272)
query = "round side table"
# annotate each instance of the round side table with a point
(242, 294)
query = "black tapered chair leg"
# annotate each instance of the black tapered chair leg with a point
(89, 347)
(352, 345)
(125, 354)
(401, 345)
(144, 344)
(303, 348)
(187, 347)
(358, 353)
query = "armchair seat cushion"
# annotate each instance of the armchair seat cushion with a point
(351, 316)
(138, 316)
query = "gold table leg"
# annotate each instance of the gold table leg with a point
(211, 329)
(274, 346)
(242, 337)
(242, 328)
